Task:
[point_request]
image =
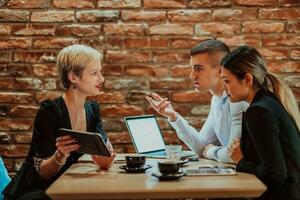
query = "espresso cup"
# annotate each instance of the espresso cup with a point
(135, 161)
(169, 167)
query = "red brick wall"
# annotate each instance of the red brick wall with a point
(146, 47)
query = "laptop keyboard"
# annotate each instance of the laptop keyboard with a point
(160, 153)
(184, 154)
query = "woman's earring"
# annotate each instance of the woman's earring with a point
(74, 85)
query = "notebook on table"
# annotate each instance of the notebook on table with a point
(147, 138)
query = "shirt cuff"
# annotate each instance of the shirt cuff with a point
(179, 123)
(211, 153)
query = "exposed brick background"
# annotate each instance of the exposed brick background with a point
(146, 46)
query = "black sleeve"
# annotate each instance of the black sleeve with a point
(98, 121)
(45, 130)
(263, 128)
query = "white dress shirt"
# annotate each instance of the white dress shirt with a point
(223, 124)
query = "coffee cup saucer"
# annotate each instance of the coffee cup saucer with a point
(183, 162)
(140, 169)
(168, 177)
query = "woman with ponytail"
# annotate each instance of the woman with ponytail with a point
(270, 144)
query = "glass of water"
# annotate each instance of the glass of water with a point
(173, 152)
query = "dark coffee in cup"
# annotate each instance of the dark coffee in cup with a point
(169, 167)
(135, 161)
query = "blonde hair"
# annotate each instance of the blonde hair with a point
(74, 59)
(246, 59)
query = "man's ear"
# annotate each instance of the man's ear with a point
(248, 80)
(219, 69)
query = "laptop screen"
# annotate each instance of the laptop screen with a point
(145, 133)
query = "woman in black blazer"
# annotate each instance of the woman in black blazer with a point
(270, 144)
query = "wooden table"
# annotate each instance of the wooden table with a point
(116, 184)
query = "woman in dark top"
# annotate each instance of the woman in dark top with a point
(270, 143)
(50, 155)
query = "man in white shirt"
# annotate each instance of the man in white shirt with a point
(224, 120)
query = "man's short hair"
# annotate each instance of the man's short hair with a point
(210, 46)
(215, 48)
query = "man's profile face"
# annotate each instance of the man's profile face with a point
(203, 74)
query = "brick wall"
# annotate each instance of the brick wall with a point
(146, 47)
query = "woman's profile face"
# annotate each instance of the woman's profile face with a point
(235, 88)
(92, 79)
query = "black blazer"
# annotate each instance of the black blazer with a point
(270, 143)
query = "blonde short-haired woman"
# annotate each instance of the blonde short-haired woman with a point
(79, 68)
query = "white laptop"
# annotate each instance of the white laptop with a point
(147, 138)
